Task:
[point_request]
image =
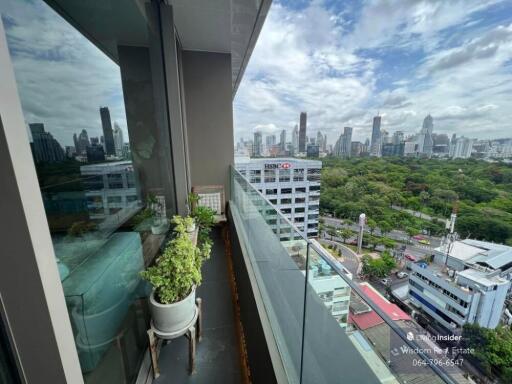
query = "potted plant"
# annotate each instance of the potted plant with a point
(174, 278)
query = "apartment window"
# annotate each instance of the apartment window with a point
(286, 210)
(314, 174)
(273, 201)
(272, 191)
(300, 190)
(286, 191)
(286, 201)
(243, 172)
(314, 188)
(300, 200)
(312, 217)
(314, 198)
(255, 176)
(298, 174)
(313, 225)
(299, 210)
(115, 199)
(73, 95)
(314, 207)
(284, 175)
(299, 219)
(270, 175)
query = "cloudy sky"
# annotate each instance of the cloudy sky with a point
(62, 78)
(344, 61)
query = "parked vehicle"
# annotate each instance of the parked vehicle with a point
(418, 237)
(402, 275)
(410, 257)
(385, 281)
(424, 241)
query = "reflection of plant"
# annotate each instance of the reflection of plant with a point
(153, 210)
(192, 200)
(178, 270)
(80, 228)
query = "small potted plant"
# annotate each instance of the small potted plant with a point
(174, 278)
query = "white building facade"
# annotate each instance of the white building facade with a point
(291, 185)
(468, 282)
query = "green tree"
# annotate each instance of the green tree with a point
(345, 233)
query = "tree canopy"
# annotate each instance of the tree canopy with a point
(379, 186)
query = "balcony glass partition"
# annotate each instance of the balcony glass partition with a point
(91, 94)
(327, 327)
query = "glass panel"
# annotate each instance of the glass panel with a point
(8, 370)
(100, 146)
(278, 257)
(344, 333)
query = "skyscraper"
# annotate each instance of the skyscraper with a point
(346, 148)
(282, 140)
(302, 131)
(82, 143)
(118, 140)
(108, 135)
(425, 141)
(270, 140)
(257, 149)
(295, 138)
(375, 149)
(397, 138)
(44, 147)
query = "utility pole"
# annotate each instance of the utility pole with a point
(362, 222)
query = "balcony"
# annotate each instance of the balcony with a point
(292, 333)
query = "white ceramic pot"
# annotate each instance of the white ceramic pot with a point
(160, 228)
(169, 318)
(192, 228)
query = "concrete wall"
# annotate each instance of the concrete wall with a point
(209, 116)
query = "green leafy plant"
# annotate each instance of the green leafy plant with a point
(192, 200)
(178, 269)
(182, 224)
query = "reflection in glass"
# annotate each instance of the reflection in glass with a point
(98, 144)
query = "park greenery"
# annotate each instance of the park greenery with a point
(375, 268)
(492, 350)
(384, 188)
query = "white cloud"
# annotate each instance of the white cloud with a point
(331, 65)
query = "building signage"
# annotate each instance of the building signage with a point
(278, 165)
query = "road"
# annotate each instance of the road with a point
(350, 259)
(395, 234)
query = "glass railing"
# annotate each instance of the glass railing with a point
(326, 327)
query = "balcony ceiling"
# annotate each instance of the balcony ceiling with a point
(222, 26)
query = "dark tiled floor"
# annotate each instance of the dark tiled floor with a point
(217, 358)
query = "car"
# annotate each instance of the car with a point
(424, 241)
(385, 281)
(410, 257)
(402, 274)
(418, 237)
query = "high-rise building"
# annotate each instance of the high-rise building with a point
(44, 147)
(295, 138)
(302, 131)
(397, 137)
(291, 185)
(425, 140)
(324, 149)
(118, 140)
(282, 140)
(320, 141)
(82, 142)
(270, 140)
(106, 124)
(462, 148)
(257, 148)
(346, 148)
(375, 149)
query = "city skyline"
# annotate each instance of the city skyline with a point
(345, 62)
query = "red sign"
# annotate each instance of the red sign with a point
(286, 165)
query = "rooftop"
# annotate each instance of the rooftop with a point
(247, 160)
(491, 255)
(370, 319)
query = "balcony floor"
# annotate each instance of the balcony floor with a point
(217, 355)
